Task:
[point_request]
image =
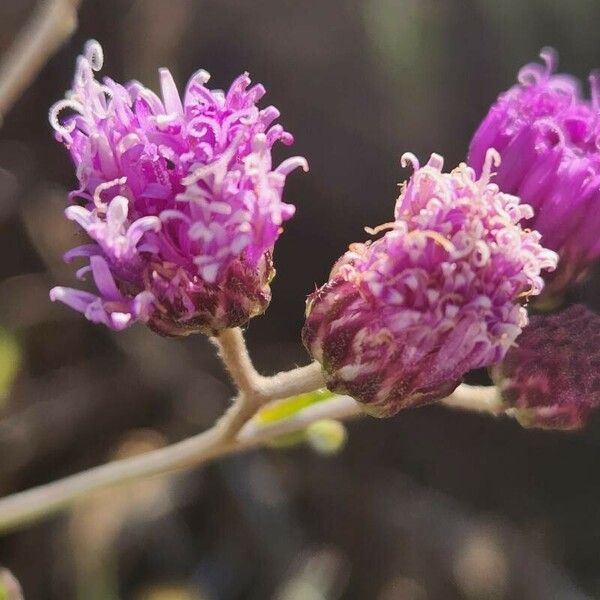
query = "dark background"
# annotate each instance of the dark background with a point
(430, 505)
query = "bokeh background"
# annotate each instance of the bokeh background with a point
(430, 505)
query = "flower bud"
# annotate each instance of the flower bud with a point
(178, 196)
(327, 436)
(551, 378)
(404, 317)
(547, 132)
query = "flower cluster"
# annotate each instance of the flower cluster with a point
(404, 317)
(547, 134)
(551, 378)
(183, 206)
(178, 196)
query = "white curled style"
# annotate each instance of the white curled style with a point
(408, 158)
(594, 80)
(91, 60)
(533, 73)
(492, 160)
(100, 204)
(54, 112)
(94, 54)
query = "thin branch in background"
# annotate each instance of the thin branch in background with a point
(50, 26)
(10, 588)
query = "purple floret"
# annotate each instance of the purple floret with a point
(403, 318)
(551, 378)
(179, 197)
(546, 133)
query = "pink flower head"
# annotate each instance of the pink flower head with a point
(178, 196)
(547, 135)
(551, 378)
(403, 318)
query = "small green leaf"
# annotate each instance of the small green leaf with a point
(283, 409)
(10, 361)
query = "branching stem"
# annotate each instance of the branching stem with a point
(234, 432)
(234, 354)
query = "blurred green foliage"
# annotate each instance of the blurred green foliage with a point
(10, 361)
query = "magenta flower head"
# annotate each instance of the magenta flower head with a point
(179, 198)
(551, 378)
(403, 318)
(547, 135)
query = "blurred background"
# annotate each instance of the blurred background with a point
(430, 505)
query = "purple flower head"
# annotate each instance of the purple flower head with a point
(551, 378)
(547, 135)
(179, 197)
(404, 317)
